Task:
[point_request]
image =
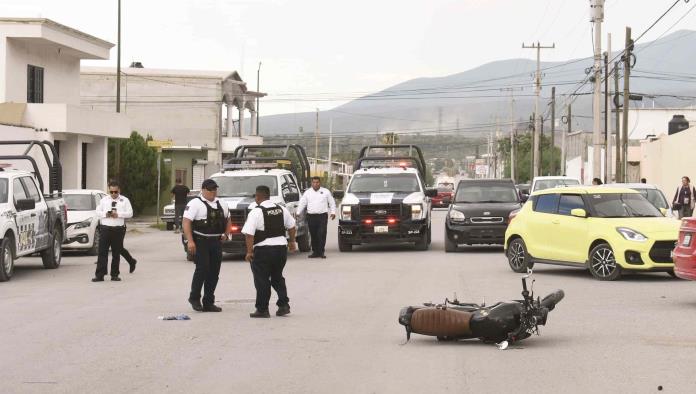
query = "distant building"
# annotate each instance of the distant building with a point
(40, 97)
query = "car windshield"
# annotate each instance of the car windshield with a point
(485, 194)
(79, 202)
(384, 183)
(544, 184)
(3, 191)
(622, 205)
(244, 186)
(655, 197)
(444, 189)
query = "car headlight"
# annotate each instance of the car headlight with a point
(456, 216)
(346, 212)
(631, 235)
(83, 224)
(416, 212)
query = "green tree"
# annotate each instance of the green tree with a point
(138, 170)
(550, 157)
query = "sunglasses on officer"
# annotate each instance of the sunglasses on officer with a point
(114, 192)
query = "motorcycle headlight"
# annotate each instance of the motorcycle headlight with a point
(631, 235)
(346, 212)
(83, 224)
(416, 212)
(456, 216)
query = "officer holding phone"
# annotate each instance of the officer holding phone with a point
(113, 210)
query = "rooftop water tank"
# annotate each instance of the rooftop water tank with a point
(677, 124)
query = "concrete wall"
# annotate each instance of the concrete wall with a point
(97, 154)
(664, 161)
(645, 121)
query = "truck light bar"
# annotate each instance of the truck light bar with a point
(250, 166)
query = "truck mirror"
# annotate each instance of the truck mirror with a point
(339, 194)
(25, 204)
(431, 192)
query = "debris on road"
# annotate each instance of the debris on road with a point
(174, 317)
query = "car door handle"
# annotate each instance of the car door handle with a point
(33, 215)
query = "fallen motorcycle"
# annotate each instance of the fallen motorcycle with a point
(503, 323)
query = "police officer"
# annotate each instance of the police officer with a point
(206, 224)
(267, 251)
(112, 211)
(318, 203)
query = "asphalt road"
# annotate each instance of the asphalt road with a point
(61, 333)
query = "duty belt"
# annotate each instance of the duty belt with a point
(207, 235)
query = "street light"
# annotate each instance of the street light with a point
(258, 81)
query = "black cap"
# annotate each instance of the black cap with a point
(209, 184)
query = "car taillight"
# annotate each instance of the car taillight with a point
(234, 229)
(391, 221)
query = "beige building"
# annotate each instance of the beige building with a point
(665, 159)
(40, 97)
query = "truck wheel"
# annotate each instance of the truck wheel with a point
(450, 246)
(517, 255)
(430, 235)
(603, 264)
(170, 226)
(51, 256)
(303, 243)
(422, 244)
(344, 246)
(6, 259)
(94, 250)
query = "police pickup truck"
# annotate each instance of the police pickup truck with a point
(283, 168)
(386, 200)
(30, 221)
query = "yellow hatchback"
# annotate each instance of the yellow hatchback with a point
(605, 230)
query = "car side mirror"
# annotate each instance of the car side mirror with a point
(292, 197)
(578, 213)
(431, 192)
(339, 194)
(524, 197)
(26, 204)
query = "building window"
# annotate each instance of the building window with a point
(35, 83)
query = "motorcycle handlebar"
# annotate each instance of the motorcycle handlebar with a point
(552, 299)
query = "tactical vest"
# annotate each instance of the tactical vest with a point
(273, 224)
(214, 223)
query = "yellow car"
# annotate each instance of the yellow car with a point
(605, 230)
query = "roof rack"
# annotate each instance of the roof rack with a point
(414, 154)
(291, 157)
(55, 170)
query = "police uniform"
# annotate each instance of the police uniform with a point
(209, 221)
(112, 231)
(267, 223)
(318, 204)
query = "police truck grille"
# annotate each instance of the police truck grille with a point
(661, 251)
(368, 211)
(238, 216)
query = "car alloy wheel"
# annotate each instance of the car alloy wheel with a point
(517, 255)
(603, 263)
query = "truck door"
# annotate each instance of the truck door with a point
(40, 221)
(25, 242)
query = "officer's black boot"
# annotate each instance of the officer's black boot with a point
(283, 310)
(260, 314)
(196, 305)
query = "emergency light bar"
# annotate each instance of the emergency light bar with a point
(250, 166)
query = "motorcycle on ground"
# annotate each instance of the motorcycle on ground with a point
(502, 323)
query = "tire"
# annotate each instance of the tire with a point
(552, 299)
(422, 244)
(603, 264)
(344, 246)
(6, 259)
(430, 235)
(170, 226)
(303, 243)
(52, 255)
(518, 257)
(450, 247)
(94, 250)
(672, 274)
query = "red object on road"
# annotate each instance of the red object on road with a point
(443, 198)
(685, 252)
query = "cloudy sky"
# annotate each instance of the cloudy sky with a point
(328, 46)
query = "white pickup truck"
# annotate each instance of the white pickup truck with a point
(30, 221)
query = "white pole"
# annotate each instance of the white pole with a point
(330, 177)
(608, 161)
(159, 178)
(597, 17)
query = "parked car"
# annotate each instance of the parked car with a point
(549, 182)
(685, 251)
(445, 192)
(83, 222)
(523, 191)
(32, 219)
(607, 230)
(168, 210)
(479, 213)
(651, 193)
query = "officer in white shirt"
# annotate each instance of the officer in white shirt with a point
(206, 225)
(318, 203)
(112, 211)
(267, 250)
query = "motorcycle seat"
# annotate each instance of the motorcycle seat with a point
(441, 322)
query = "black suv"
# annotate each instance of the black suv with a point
(479, 212)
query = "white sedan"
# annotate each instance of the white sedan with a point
(83, 221)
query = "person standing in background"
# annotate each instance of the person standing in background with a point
(113, 210)
(180, 193)
(683, 201)
(317, 202)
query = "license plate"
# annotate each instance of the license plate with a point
(381, 229)
(687, 240)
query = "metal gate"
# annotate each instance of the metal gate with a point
(198, 176)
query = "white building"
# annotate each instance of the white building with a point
(40, 97)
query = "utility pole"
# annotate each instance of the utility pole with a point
(597, 17)
(316, 144)
(513, 171)
(537, 121)
(607, 115)
(553, 130)
(117, 149)
(617, 105)
(330, 178)
(626, 103)
(541, 144)
(439, 119)
(563, 141)
(533, 137)
(258, 87)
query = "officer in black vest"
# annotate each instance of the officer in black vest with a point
(267, 251)
(206, 224)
